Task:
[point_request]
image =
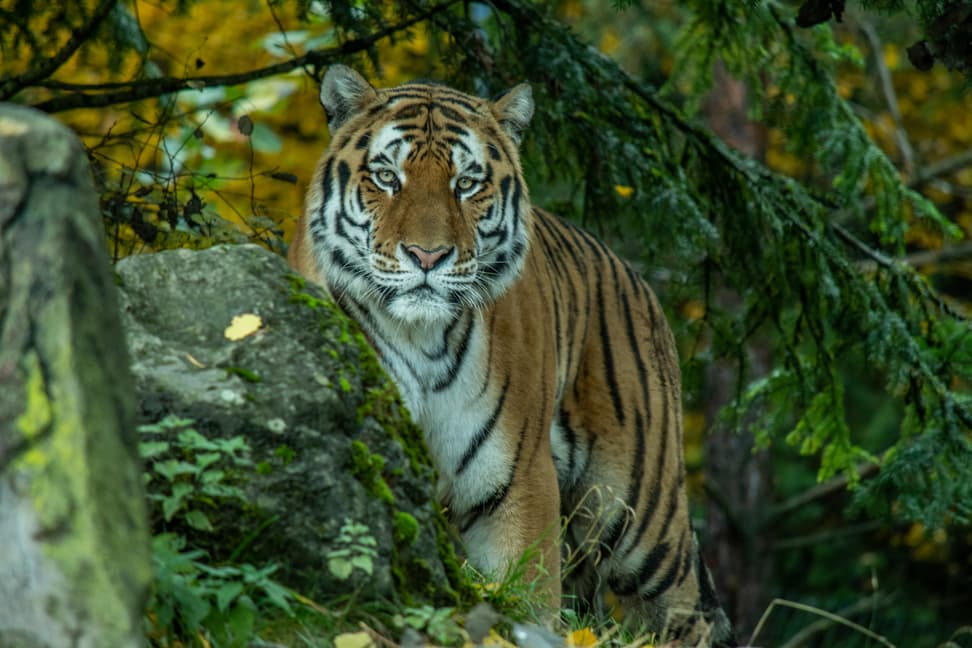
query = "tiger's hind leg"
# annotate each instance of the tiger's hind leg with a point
(679, 604)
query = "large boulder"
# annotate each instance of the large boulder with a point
(74, 551)
(337, 454)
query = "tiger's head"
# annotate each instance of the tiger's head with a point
(419, 204)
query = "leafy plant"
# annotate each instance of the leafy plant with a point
(188, 472)
(356, 550)
(215, 605)
(438, 623)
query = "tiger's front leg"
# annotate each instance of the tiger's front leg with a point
(514, 530)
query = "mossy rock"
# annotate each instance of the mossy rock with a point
(331, 441)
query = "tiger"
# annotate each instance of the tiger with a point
(540, 367)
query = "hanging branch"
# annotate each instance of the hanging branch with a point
(49, 66)
(150, 88)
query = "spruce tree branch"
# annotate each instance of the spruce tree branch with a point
(941, 168)
(887, 87)
(818, 491)
(117, 93)
(50, 65)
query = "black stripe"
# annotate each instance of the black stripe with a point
(327, 178)
(493, 502)
(669, 578)
(459, 357)
(453, 141)
(486, 507)
(344, 176)
(450, 113)
(515, 207)
(362, 142)
(483, 434)
(441, 353)
(608, 356)
(648, 514)
(489, 357)
(627, 584)
(571, 438)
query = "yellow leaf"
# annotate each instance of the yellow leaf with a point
(494, 639)
(891, 56)
(354, 640)
(583, 638)
(623, 190)
(243, 326)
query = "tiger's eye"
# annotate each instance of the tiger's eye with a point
(387, 177)
(465, 183)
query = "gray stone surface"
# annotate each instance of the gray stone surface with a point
(301, 389)
(74, 554)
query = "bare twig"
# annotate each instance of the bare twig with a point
(941, 168)
(151, 88)
(863, 605)
(827, 536)
(50, 65)
(887, 86)
(952, 253)
(819, 491)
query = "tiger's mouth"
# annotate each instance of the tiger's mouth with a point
(422, 304)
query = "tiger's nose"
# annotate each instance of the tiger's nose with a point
(427, 259)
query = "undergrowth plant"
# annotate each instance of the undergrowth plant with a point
(193, 601)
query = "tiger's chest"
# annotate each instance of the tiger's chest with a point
(443, 376)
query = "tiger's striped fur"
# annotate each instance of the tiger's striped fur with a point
(540, 367)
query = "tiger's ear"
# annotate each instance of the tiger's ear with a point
(513, 110)
(344, 92)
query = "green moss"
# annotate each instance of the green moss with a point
(36, 417)
(367, 467)
(406, 528)
(245, 374)
(285, 453)
(63, 480)
(382, 403)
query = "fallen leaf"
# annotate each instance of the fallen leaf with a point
(623, 190)
(243, 326)
(354, 640)
(583, 638)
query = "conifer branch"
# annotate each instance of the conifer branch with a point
(138, 90)
(50, 65)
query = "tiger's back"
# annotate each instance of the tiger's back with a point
(540, 367)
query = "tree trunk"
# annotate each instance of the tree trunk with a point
(739, 482)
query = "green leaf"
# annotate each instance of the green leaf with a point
(149, 449)
(207, 458)
(339, 567)
(170, 506)
(198, 520)
(226, 594)
(363, 563)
